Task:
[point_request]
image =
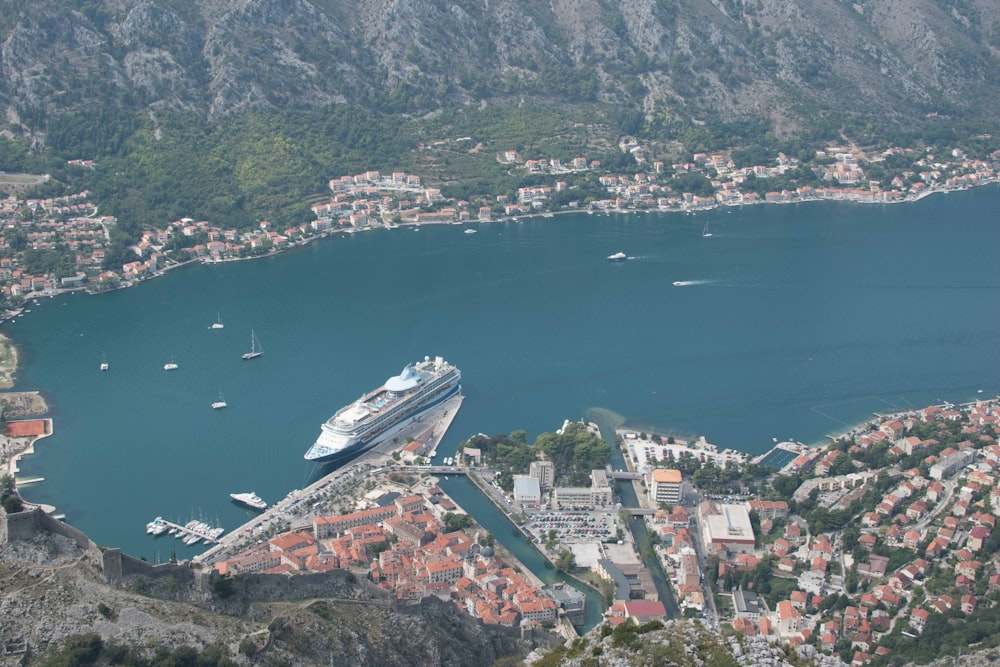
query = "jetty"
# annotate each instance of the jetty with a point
(190, 530)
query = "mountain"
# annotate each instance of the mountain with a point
(792, 63)
(57, 605)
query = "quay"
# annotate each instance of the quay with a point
(295, 508)
(189, 532)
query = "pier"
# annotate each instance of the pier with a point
(189, 532)
(295, 507)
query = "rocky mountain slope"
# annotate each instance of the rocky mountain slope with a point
(787, 61)
(51, 589)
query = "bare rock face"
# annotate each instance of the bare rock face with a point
(53, 589)
(885, 58)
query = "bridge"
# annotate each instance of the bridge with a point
(640, 511)
(621, 474)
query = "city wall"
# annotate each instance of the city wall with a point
(29, 523)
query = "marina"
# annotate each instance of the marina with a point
(190, 533)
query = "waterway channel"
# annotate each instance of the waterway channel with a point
(637, 525)
(492, 519)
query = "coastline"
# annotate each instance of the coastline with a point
(451, 233)
(628, 210)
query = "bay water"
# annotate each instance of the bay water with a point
(789, 322)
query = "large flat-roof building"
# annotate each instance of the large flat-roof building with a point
(728, 526)
(599, 494)
(526, 492)
(666, 486)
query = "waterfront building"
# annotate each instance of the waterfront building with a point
(666, 486)
(571, 602)
(599, 494)
(526, 491)
(544, 472)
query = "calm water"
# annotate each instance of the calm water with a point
(793, 322)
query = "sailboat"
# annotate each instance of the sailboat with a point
(104, 363)
(705, 233)
(255, 350)
(218, 323)
(221, 403)
(171, 365)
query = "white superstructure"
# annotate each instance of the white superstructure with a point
(386, 410)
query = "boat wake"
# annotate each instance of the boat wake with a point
(688, 283)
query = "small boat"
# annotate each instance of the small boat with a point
(617, 257)
(470, 231)
(219, 404)
(678, 283)
(171, 365)
(251, 500)
(218, 323)
(705, 234)
(104, 363)
(255, 350)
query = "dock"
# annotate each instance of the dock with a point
(294, 508)
(189, 532)
(24, 481)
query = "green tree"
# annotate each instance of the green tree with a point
(565, 561)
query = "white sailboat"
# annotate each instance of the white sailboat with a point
(705, 233)
(171, 365)
(221, 403)
(104, 363)
(255, 350)
(218, 323)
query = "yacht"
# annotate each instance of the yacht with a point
(255, 350)
(218, 323)
(617, 257)
(219, 404)
(470, 231)
(251, 500)
(104, 363)
(171, 365)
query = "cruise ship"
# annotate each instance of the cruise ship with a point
(385, 411)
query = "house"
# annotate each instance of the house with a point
(918, 618)
(643, 611)
(789, 620)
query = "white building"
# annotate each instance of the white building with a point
(544, 472)
(666, 486)
(526, 491)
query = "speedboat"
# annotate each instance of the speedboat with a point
(617, 257)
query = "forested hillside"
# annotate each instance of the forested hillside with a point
(240, 111)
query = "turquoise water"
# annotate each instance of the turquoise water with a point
(797, 320)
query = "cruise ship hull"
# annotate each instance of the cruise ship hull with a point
(358, 446)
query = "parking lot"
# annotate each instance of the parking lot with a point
(572, 526)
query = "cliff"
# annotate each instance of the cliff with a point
(788, 62)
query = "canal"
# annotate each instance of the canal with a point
(496, 522)
(609, 422)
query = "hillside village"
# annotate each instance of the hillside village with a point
(914, 501)
(62, 243)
